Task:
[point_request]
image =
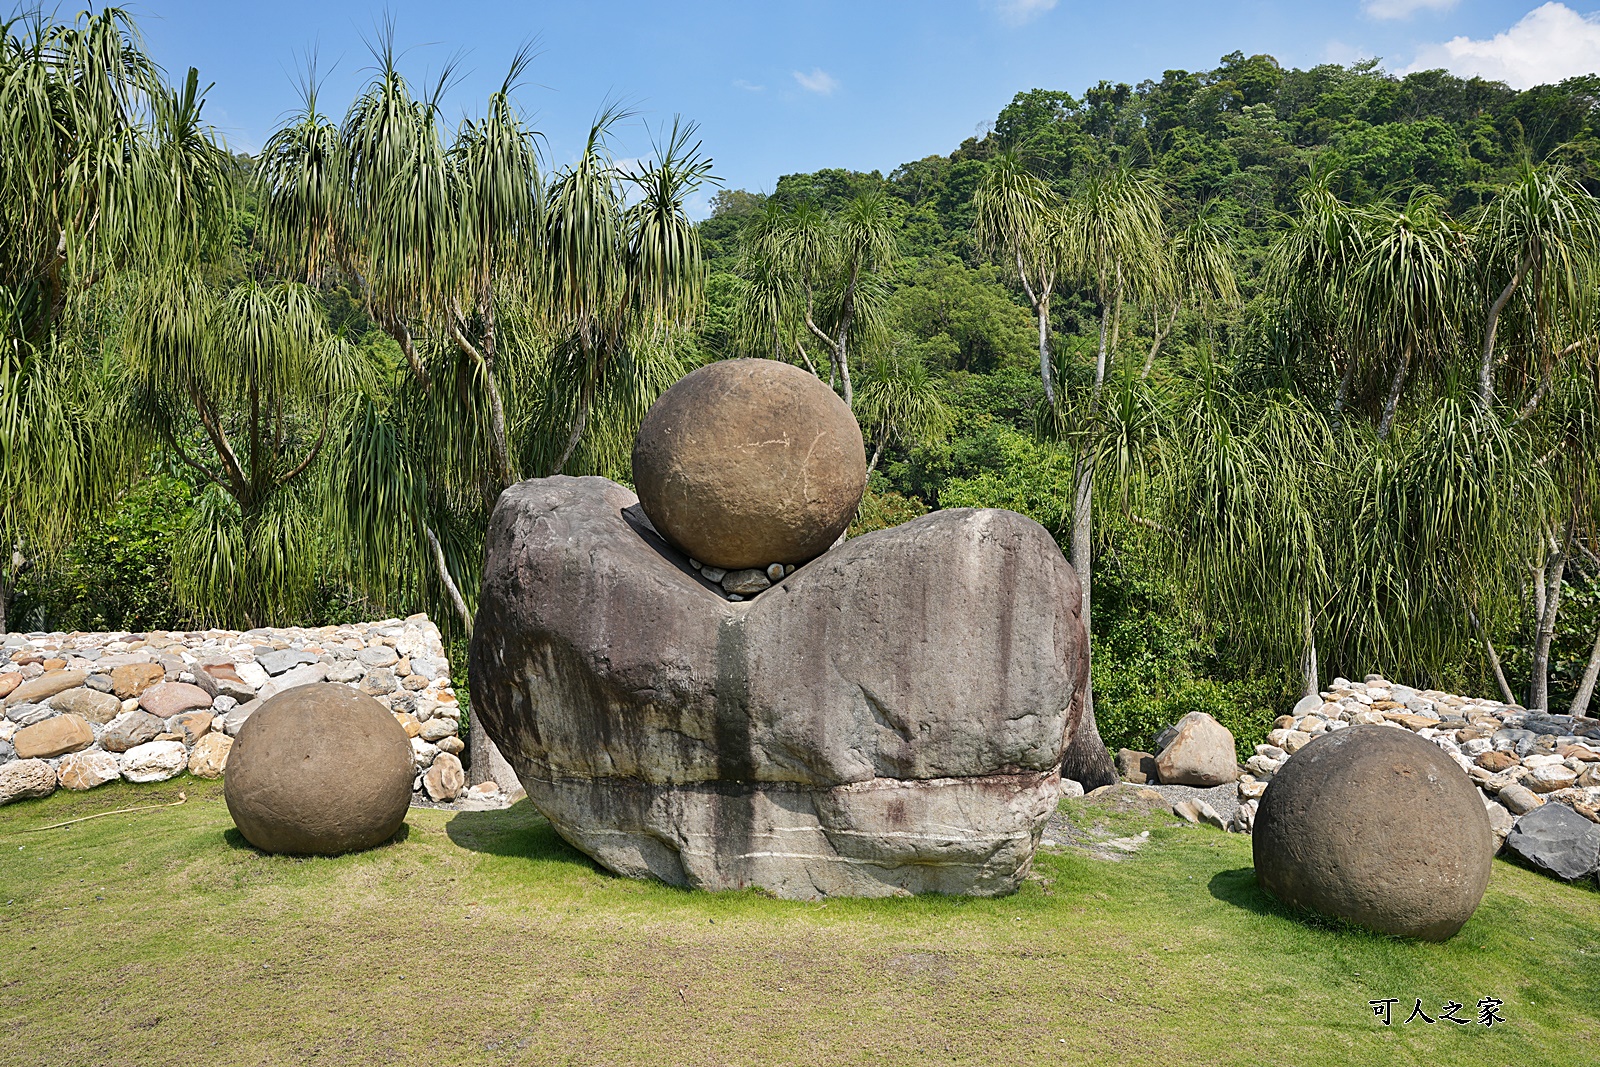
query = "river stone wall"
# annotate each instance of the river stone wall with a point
(79, 710)
(1520, 760)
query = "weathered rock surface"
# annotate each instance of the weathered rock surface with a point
(24, 779)
(317, 770)
(173, 698)
(747, 462)
(45, 686)
(1200, 753)
(445, 779)
(96, 707)
(131, 729)
(1135, 766)
(889, 719)
(85, 770)
(210, 756)
(1557, 840)
(54, 737)
(1351, 828)
(131, 679)
(155, 761)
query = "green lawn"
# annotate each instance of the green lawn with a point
(481, 938)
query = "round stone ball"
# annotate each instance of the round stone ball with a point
(1379, 827)
(317, 770)
(750, 462)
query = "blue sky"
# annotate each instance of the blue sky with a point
(780, 88)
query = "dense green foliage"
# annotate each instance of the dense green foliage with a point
(1255, 297)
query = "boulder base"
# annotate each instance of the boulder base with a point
(317, 770)
(748, 462)
(889, 719)
(1379, 827)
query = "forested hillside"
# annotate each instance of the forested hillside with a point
(1299, 367)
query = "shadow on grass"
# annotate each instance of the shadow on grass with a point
(234, 839)
(1240, 888)
(518, 831)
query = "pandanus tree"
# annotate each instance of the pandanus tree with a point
(899, 399)
(535, 320)
(825, 273)
(106, 171)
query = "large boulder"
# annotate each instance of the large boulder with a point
(749, 462)
(1200, 752)
(85, 770)
(96, 707)
(53, 737)
(317, 770)
(1376, 826)
(45, 686)
(1557, 840)
(890, 718)
(24, 779)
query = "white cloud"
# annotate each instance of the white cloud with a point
(749, 87)
(818, 81)
(1403, 9)
(1550, 43)
(1017, 12)
(1345, 54)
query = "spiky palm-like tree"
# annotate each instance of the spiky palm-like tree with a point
(1202, 276)
(900, 399)
(1019, 219)
(822, 272)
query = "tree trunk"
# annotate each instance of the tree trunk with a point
(1493, 657)
(1550, 603)
(1486, 363)
(1088, 742)
(1395, 390)
(1580, 702)
(1310, 683)
(579, 423)
(456, 599)
(1046, 371)
(877, 453)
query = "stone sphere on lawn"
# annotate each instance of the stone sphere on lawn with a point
(749, 462)
(317, 770)
(1379, 827)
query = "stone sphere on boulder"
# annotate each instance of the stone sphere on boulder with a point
(749, 462)
(1376, 826)
(317, 770)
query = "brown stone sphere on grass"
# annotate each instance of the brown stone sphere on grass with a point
(1379, 827)
(317, 770)
(750, 462)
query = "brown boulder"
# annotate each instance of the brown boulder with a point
(131, 679)
(445, 779)
(173, 698)
(9, 682)
(1136, 766)
(210, 756)
(1495, 762)
(1201, 754)
(319, 769)
(749, 462)
(46, 685)
(1351, 828)
(190, 728)
(53, 737)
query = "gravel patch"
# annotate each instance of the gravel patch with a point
(1223, 798)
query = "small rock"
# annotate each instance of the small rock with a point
(453, 745)
(713, 574)
(485, 789)
(380, 681)
(251, 673)
(85, 770)
(129, 730)
(54, 737)
(440, 727)
(745, 582)
(1198, 811)
(100, 683)
(305, 674)
(9, 683)
(1500, 820)
(1251, 789)
(155, 761)
(282, 661)
(45, 686)
(1549, 778)
(28, 714)
(445, 779)
(97, 707)
(1070, 787)
(210, 756)
(25, 779)
(190, 727)
(423, 752)
(1137, 767)
(131, 679)
(167, 699)
(1519, 800)
(408, 723)
(1495, 762)
(378, 656)
(775, 572)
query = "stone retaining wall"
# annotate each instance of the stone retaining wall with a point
(1520, 760)
(82, 709)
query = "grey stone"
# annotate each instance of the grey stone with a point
(775, 572)
(347, 670)
(1519, 799)
(378, 656)
(305, 674)
(131, 729)
(1198, 812)
(437, 729)
(427, 668)
(28, 714)
(893, 722)
(380, 681)
(278, 662)
(1307, 704)
(100, 683)
(234, 720)
(713, 574)
(745, 583)
(1557, 840)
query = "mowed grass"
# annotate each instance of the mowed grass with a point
(481, 938)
